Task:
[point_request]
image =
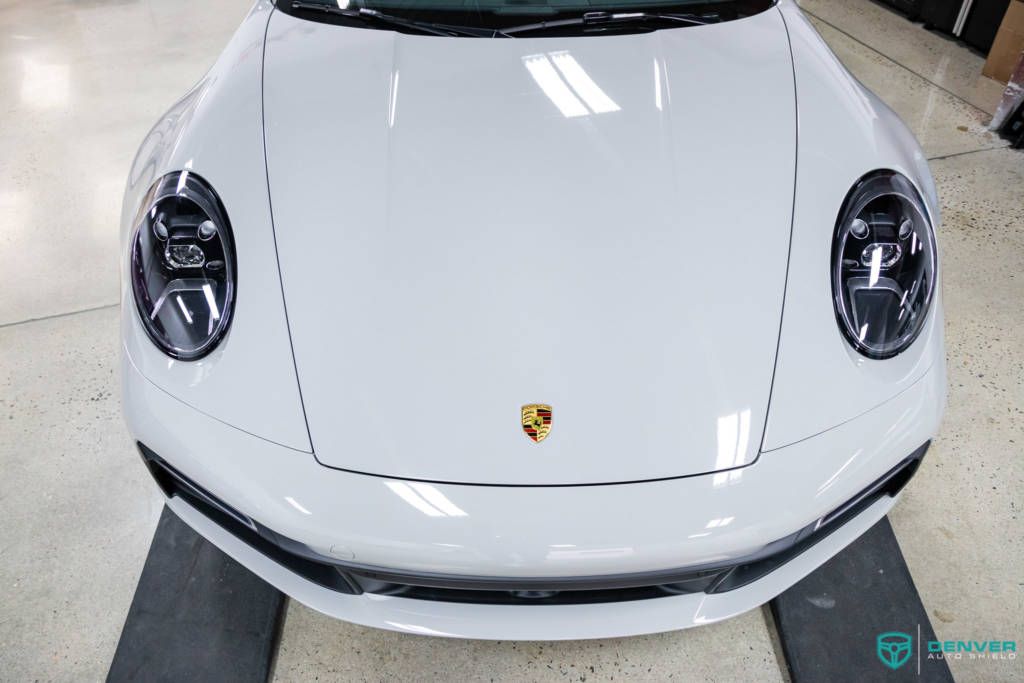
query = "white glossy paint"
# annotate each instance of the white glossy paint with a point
(525, 531)
(215, 131)
(845, 132)
(428, 194)
(534, 531)
(467, 226)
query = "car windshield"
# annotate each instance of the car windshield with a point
(522, 18)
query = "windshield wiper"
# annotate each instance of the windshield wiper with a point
(599, 20)
(372, 15)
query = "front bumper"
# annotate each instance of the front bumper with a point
(542, 534)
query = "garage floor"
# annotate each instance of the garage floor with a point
(80, 84)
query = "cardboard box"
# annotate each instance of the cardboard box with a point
(1009, 45)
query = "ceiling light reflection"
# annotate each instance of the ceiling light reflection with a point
(722, 478)
(876, 266)
(394, 97)
(426, 498)
(733, 439)
(733, 443)
(831, 480)
(720, 522)
(416, 628)
(410, 497)
(433, 496)
(553, 86)
(295, 504)
(214, 311)
(573, 553)
(657, 84)
(581, 82)
(184, 310)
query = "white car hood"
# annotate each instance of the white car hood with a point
(465, 226)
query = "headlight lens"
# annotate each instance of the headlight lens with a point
(884, 265)
(183, 266)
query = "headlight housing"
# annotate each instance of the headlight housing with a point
(183, 266)
(884, 265)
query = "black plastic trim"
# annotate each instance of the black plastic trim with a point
(484, 20)
(175, 484)
(890, 484)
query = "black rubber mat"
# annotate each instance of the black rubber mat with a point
(858, 618)
(197, 615)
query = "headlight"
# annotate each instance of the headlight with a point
(183, 266)
(883, 265)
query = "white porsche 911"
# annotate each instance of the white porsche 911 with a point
(525, 319)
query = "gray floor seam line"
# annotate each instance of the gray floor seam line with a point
(58, 315)
(902, 66)
(972, 151)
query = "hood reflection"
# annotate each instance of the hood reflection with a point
(426, 498)
(570, 88)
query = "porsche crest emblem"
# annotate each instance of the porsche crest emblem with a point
(537, 421)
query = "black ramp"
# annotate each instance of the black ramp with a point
(829, 623)
(197, 615)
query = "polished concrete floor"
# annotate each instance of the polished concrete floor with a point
(81, 82)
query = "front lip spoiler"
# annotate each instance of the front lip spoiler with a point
(354, 579)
